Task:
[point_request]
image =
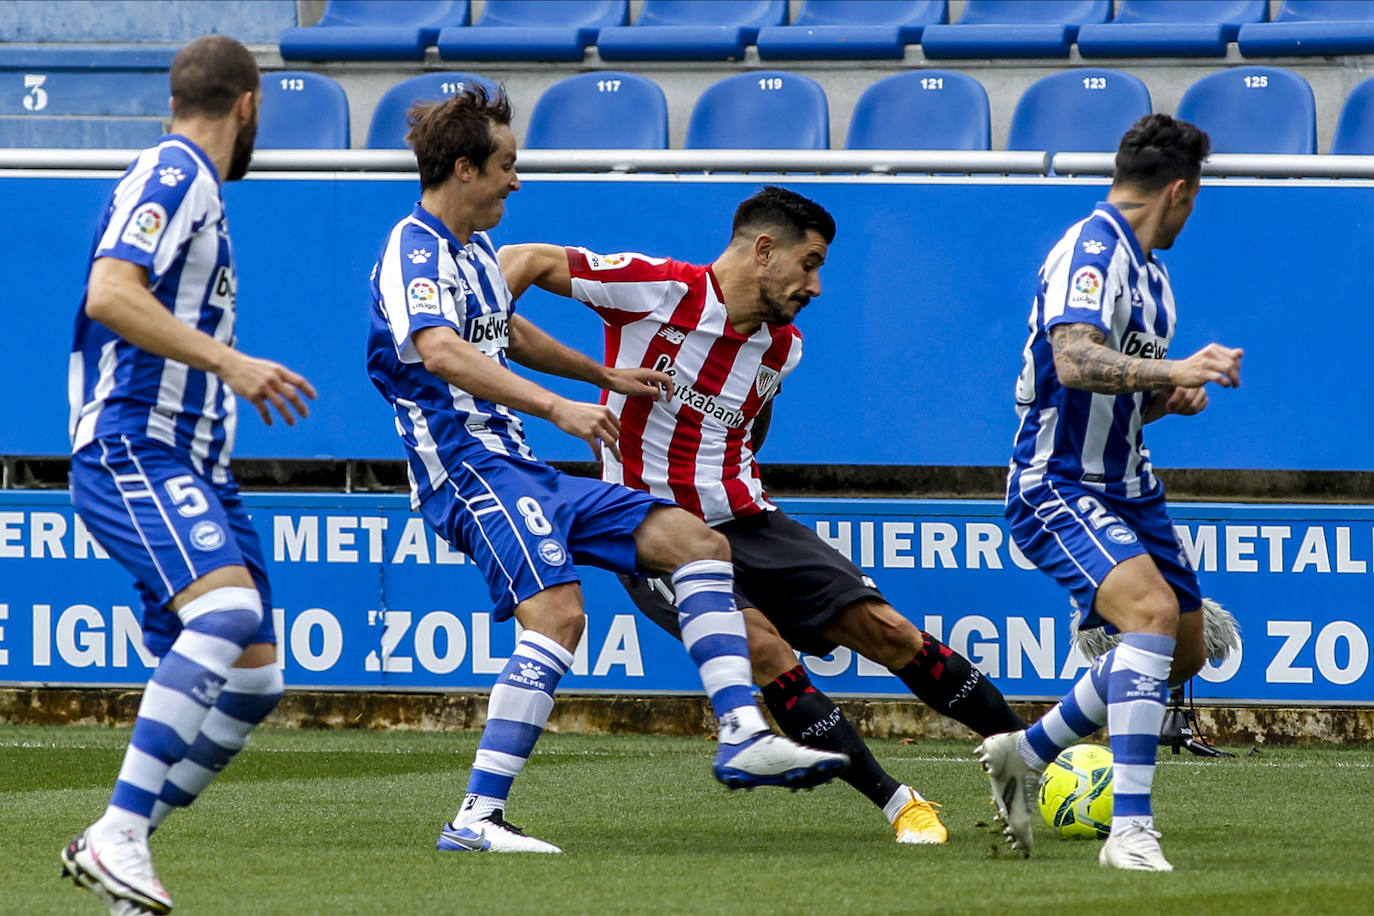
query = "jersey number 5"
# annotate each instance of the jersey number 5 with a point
(186, 496)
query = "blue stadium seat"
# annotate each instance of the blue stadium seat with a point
(921, 109)
(1253, 110)
(691, 30)
(851, 29)
(1170, 28)
(373, 30)
(533, 30)
(1312, 27)
(259, 22)
(602, 110)
(302, 110)
(1013, 28)
(1080, 111)
(79, 133)
(764, 109)
(388, 128)
(1355, 126)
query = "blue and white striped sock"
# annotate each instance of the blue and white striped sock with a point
(1137, 689)
(520, 705)
(713, 632)
(187, 682)
(1080, 713)
(248, 696)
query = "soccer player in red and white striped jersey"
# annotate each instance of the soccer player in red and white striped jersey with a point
(724, 333)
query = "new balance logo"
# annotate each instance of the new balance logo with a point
(673, 335)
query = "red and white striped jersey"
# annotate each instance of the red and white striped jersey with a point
(667, 315)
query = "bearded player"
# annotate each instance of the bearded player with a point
(724, 333)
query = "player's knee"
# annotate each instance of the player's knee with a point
(233, 613)
(698, 542)
(556, 613)
(1159, 615)
(670, 538)
(1151, 611)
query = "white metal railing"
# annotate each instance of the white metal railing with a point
(1239, 164)
(944, 162)
(600, 160)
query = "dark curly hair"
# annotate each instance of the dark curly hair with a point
(1159, 149)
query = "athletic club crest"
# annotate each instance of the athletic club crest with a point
(765, 380)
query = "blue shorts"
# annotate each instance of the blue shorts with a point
(166, 525)
(1078, 535)
(525, 524)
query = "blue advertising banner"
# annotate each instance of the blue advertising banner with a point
(366, 597)
(927, 290)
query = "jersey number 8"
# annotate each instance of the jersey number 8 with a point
(533, 513)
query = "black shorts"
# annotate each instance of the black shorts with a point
(784, 569)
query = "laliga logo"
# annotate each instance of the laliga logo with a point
(149, 220)
(1087, 282)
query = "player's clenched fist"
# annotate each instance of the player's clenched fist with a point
(1213, 363)
(593, 423)
(1186, 401)
(264, 382)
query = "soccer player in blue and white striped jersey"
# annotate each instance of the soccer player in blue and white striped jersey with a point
(444, 330)
(1083, 502)
(152, 383)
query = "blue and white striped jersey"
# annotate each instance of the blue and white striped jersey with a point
(426, 278)
(166, 215)
(1097, 274)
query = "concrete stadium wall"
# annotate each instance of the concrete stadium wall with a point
(1228, 727)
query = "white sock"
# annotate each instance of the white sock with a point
(898, 801)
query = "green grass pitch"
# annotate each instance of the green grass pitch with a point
(336, 822)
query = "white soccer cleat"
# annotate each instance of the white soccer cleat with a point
(116, 869)
(772, 760)
(1013, 787)
(1134, 848)
(491, 834)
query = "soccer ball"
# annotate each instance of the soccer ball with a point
(1076, 792)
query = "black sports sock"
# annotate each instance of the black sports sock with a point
(949, 683)
(809, 717)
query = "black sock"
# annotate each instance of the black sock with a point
(809, 717)
(949, 683)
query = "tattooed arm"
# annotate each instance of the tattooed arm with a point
(1083, 360)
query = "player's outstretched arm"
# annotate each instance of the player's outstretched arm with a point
(544, 266)
(118, 297)
(1082, 360)
(459, 363)
(533, 347)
